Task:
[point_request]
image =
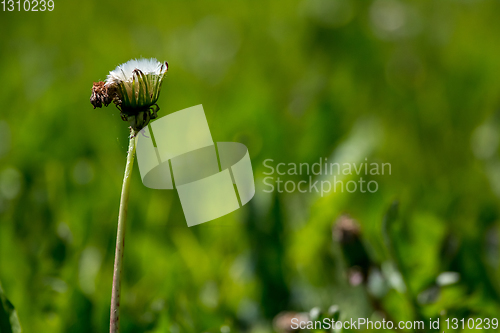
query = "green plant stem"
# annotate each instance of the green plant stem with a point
(114, 322)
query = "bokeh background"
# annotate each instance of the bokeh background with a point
(412, 83)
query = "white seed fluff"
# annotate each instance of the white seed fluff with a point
(124, 71)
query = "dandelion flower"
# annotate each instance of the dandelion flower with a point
(134, 87)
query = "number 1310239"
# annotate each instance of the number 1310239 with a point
(27, 5)
(471, 323)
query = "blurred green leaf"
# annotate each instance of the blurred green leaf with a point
(9, 322)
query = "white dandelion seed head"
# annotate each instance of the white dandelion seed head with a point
(125, 71)
(137, 83)
(134, 87)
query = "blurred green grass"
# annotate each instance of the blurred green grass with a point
(293, 81)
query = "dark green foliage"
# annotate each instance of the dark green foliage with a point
(9, 322)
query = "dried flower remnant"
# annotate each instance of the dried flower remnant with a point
(99, 95)
(134, 87)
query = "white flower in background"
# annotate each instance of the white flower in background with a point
(134, 87)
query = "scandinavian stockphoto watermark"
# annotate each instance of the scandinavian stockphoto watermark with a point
(212, 179)
(434, 324)
(323, 177)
